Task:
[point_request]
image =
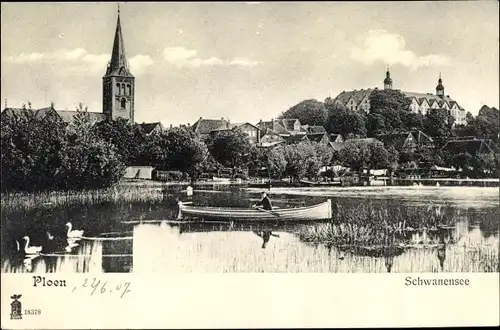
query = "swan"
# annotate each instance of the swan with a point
(74, 233)
(50, 236)
(31, 249)
(71, 244)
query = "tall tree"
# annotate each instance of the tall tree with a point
(438, 123)
(343, 121)
(184, 150)
(308, 112)
(231, 148)
(389, 113)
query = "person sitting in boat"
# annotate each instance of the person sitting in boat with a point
(265, 235)
(265, 203)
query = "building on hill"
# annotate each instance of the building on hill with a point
(407, 140)
(359, 100)
(479, 147)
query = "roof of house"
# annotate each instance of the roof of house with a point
(295, 138)
(149, 127)
(337, 145)
(398, 140)
(475, 146)
(335, 136)
(66, 115)
(316, 129)
(205, 126)
(234, 125)
(317, 137)
(356, 95)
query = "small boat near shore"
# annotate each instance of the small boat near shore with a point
(322, 211)
(221, 180)
(321, 184)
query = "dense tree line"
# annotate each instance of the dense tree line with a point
(47, 153)
(390, 113)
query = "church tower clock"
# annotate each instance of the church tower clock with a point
(118, 83)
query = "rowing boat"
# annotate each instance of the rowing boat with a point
(321, 211)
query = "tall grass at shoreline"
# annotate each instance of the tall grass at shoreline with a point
(123, 192)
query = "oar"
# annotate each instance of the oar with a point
(270, 212)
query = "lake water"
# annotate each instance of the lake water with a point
(143, 237)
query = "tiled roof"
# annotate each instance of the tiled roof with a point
(396, 140)
(316, 129)
(336, 145)
(316, 137)
(478, 146)
(295, 138)
(205, 126)
(334, 137)
(357, 95)
(289, 124)
(66, 115)
(149, 127)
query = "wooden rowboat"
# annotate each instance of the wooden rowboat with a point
(321, 211)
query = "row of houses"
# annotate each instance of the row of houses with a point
(268, 134)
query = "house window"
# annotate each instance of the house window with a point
(123, 104)
(129, 92)
(118, 88)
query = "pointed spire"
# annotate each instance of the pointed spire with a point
(118, 58)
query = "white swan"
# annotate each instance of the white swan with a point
(31, 249)
(74, 233)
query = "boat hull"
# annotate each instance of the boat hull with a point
(321, 211)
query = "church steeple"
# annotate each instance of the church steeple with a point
(118, 82)
(440, 87)
(388, 80)
(118, 63)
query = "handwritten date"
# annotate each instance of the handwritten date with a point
(97, 286)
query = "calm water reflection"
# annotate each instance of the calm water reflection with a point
(141, 237)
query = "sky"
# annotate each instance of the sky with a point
(247, 61)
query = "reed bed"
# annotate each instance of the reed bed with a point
(120, 193)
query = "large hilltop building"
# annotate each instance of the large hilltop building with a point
(419, 102)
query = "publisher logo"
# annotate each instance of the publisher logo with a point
(16, 311)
